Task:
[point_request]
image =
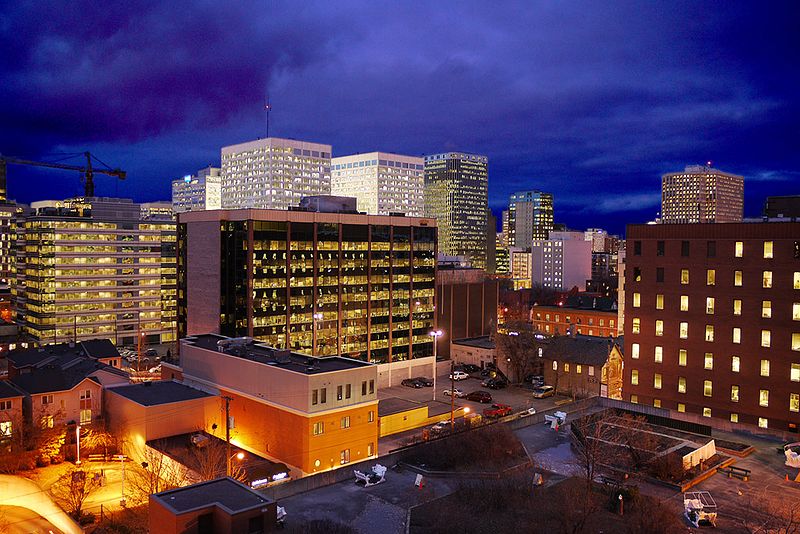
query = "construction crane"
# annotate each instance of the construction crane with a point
(88, 171)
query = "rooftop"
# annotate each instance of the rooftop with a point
(8, 391)
(52, 378)
(226, 493)
(482, 342)
(247, 349)
(159, 392)
(63, 353)
(587, 350)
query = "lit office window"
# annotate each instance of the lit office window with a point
(681, 384)
(735, 363)
(739, 249)
(734, 418)
(764, 367)
(767, 249)
(711, 277)
(637, 300)
(796, 281)
(657, 381)
(682, 356)
(706, 412)
(636, 325)
(684, 302)
(659, 327)
(737, 334)
(767, 279)
(659, 354)
(737, 307)
(763, 397)
(796, 341)
(657, 403)
(762, 422)
(794, 402)
(737, 278)
(707, 388)
(634, 399)
(634, 377)
(684, 276)
(710, 305)
(659, 302)
(684, 330)
(635, 351)
(708, 361)
(734, 393)
(796, 311)
(766, 338)
(766, 309)
(709, 332)
(794, 373)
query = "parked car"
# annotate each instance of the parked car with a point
(427, 382)
(542, 392)
(440, 427)
(151, 353)
(457, 392)
(535, 380)
(488, 373)
(497, 410)
(459, 375)
(479, 396)
(156, 369)
(494, 383)
(470, 368)
(411, 383)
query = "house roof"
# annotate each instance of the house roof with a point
(63, 353)
(8, 391)
(159, 392)
(100, 348)
(586, 350)
(52, 378)
(226, 493)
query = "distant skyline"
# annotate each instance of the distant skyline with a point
(590, 101)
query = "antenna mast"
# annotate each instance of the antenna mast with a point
(267, 108)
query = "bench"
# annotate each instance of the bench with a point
(97, 458)
(737, 472)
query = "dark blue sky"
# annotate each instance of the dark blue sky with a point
(590, 100)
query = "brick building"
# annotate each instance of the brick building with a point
(713, 321)
(588, 315)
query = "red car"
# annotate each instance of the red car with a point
(497, 410)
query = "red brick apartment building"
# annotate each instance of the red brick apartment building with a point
(713, 321)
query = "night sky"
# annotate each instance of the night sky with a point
(590, 100)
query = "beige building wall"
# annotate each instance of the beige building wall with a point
(65, 406)
(203, 279)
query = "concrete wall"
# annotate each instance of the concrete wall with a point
(474, 355)
(399, 371)
(203, 277)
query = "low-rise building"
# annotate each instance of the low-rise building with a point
(581, 314)
(584, 366)
(23, 361)
(11, 418)
(223, 506)
(312, 413)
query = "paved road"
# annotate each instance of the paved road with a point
(17, 520)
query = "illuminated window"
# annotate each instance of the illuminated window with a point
(344, 456)
(636, 325)
(371, 416)
(682, 357)
(635, 399)
(739, 249)
(681, 407)
(6, 430)
(634, 377)
(555, 365)
(796, 341)
(319, 428)
(47, 421)
(708, 361)
(766, 338)
(659, 302)
(734, 393)
(735, 363)
(737, 334)
(684, 302)
(737, 278)
(737, 307)
(591, 370)
(710, 305)
(709, 332)
(767, 249)
(707, 388)
(684, 276)
(734, 418)
(763, 397)
(659, 354)
(796, 282)
(657, 381)
(767, 279)
(764, 367)
(681, 384)
(762, 422)
(86, 416)
(711, 277)
(578, 368)
(657, 403)
(796, 311)
(637, 300)
(794, 402)
(766, 309)
(345, 422)
(684, 330)
(659, 327)
(794, 373)
(566, 367)
(706, 412)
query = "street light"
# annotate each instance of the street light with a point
(78, 445)
(436, 335)
(239, 456)
(317, 317)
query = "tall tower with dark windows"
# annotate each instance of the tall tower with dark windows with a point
(456, 195)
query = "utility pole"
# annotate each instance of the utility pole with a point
(452, 396)
(227, 435)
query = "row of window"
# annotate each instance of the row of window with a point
(578, 368)
(683, 333)
(343, 391)
(763, 422)
(344, 422)
(766, 305)
(711, 277)
(711, 249)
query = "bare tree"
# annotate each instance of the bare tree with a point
(98, 438)
(519, 347)
(211, 460)
(72, 489)
(771, 513)
(156, 473)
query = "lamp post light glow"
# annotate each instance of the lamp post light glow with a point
(436, 335)
(78, 445)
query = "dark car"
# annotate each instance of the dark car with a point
(152, 353)
(411, 383)
(470, 368)
(488, 373)
(534, 380)
(495, 383)
(427, 382)
(480, 396)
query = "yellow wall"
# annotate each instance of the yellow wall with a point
(410, 419)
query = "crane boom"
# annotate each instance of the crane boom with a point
(88, 170)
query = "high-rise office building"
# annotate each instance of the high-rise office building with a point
(92, 268)
(202, 191)
(712, 321)
(562, 262)
(274, 173)
(701, 194)
(782, 207)
(530, 216)
(324, 284)
(456, 195)
(381, 183)
(11, 219)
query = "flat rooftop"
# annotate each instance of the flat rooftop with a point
(223, 492)
(482, 342)
(247, 349)
(159, 392)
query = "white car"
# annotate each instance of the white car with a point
(457, 392)
(459, 375)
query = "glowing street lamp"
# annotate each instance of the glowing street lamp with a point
(436, 334)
